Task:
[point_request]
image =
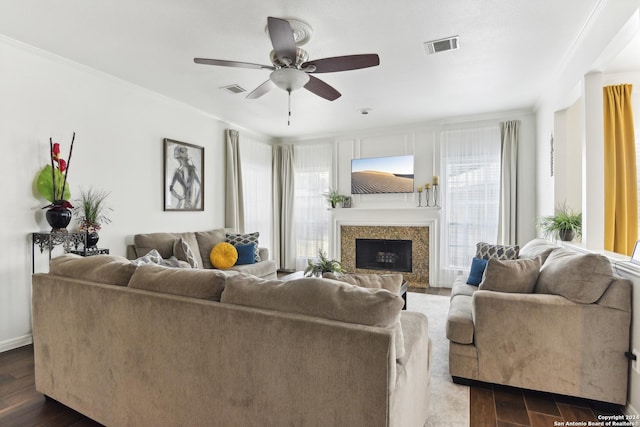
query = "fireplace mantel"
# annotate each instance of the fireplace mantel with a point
(390, 216)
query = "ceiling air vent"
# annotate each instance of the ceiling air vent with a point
(234, 89)
(435, 46)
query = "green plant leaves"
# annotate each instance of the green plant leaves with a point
(44, 184)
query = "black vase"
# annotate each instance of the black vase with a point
(58, 217)
(91, 239)
(566, 235)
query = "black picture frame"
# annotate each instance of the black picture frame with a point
(183, 180)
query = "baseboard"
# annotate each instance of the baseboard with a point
(15, 343)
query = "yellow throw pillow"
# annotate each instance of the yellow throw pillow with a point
(223, 255)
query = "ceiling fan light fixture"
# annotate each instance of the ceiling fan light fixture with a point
(289, 79)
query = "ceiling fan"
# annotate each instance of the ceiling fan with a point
(290, 69)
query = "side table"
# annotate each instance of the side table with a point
(91, 251)
(44, 240)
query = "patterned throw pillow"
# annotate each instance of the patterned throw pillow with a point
(244, 239)
(502, 252)
(223, 255)
(183, 252)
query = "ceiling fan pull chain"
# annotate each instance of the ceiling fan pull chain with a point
(289, 118)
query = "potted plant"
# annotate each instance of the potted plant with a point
(333, 197)
(92, 212)
(322, 265)
(564, 224)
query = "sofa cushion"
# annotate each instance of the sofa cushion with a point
(206, 241)
(516, 275)
(581, 278)
(246, 254)
(460, 320)
(243, 239)
(486, 251)
(391, 282)
(478, 265)
(223, 255)
(195, 283)
(183, 251)
(537, 248)
(319, 297)
(109, 269)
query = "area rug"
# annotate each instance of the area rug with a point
(448, 402)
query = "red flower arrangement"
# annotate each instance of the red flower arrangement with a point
(52, 179)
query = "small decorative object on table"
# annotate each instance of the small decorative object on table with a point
(52, 184)
(420, 196)
(92, 213)
(564, 224)
(346, 203)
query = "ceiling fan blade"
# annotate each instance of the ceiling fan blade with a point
(282, 38)
(322, 89)
(343, 63)
(235, 64)
(261, 90)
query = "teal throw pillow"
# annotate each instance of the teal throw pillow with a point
(246, 254)
(478, 266)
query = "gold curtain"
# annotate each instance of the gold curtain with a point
(620, 182)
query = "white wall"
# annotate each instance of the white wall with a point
(423, 141)
(119, 138)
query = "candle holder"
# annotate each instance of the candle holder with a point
(419, 199)
(426, 197)
(435, 196)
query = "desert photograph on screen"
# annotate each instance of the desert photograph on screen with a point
(382, 175)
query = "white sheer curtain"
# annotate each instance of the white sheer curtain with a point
(256, 183)
(234, 199)
(471, 167)
(312, 166)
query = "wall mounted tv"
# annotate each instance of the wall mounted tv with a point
(382, 175)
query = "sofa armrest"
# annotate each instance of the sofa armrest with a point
(546, 342)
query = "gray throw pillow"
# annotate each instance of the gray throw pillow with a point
(487, 251)
(182, 250)
(581, 278)
(515, 276)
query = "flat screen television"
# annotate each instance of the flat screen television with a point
(382, 175)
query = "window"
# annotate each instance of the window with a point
(312, 168)
(256, 186)
(471, 167)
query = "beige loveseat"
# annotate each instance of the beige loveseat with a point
(555, 320)
(200, 244)
(156, 346)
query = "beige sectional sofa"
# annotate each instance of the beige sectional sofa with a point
(200, 243)
(558, 322)
(146, 345)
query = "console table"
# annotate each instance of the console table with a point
(48, 241)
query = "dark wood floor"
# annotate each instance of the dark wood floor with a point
(499, 406)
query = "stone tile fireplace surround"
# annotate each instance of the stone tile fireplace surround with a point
(420, 226)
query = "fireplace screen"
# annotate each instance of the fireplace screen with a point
(383, 254)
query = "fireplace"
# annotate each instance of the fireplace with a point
(384, 254)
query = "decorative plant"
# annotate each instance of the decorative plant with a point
(92, 211)
(333, 197)
(563, 224)
(52, 181)
(322, 265)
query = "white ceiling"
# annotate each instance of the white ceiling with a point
(508, 50)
